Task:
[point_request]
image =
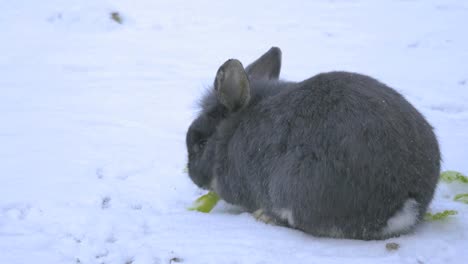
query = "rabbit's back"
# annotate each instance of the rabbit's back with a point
(338, 154)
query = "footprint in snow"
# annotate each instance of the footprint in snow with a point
(133, 172)
(446, 108)
(111, 239)
(105, 203)
(103, 254)
(413, 45)
(136, 206)
(54, 17)
(100, 173)
(17, 211)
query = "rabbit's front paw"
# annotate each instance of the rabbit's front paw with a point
(260, 215)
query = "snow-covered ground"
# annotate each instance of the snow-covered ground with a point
(93, 116)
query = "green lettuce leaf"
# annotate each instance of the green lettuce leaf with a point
(205, 203)
(439, 216)
(451, 176)
(462, 197)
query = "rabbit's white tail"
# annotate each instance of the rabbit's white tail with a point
(403, 220)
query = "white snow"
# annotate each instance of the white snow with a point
(93, 116)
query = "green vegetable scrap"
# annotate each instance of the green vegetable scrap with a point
(439, 216)
(205, 203)
(392, 246)
(116, 17)
(451, 176)
(462, 197)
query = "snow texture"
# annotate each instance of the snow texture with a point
(93, 116)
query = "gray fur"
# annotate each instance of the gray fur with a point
(232, 85)
(267, 67)
(342, 151)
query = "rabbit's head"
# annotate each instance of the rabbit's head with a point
(231, 92)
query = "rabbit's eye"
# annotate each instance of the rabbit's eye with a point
(202, 144)
(199, 146)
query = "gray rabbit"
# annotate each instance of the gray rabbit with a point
(337, 155)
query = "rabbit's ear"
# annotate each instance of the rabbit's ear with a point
(267, 67)
(232, 85)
